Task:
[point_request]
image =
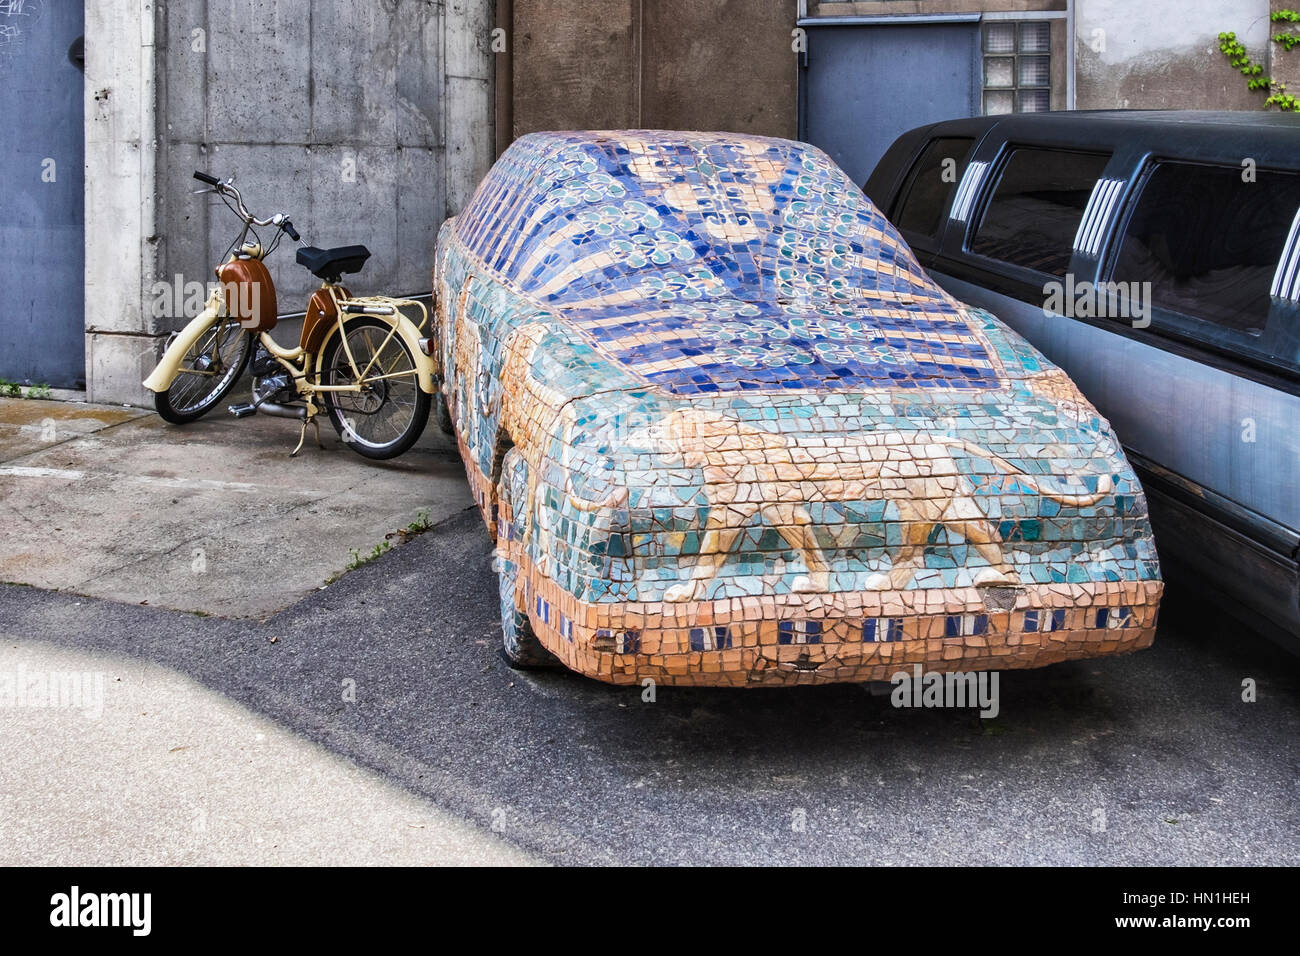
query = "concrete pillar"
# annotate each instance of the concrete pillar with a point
(121, 240)
(468, 132)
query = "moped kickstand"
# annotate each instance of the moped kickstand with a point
(302, 436)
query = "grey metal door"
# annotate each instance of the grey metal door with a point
(861, 86)
(42, 323)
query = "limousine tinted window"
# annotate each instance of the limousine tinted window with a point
(933, 179)
(1037, 207)
(1208, 241)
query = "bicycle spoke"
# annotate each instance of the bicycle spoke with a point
(384, 407)
(194, 386)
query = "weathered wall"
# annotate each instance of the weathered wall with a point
(573, 70)
(669, 64)
(719, 64)
(1149, 54)
(1285, 66)
(365, 122)
(294, 96)
(1164, 54)
(864, 8)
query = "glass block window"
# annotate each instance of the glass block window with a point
(1017, 66)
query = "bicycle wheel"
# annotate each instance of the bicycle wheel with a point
(209, 370)
(386, 416)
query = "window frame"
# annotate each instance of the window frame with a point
(1015, 89)
(1131, 154)
(1177, 326)
(908, 179)
(988, 190)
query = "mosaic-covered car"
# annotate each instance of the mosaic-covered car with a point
(725, 430)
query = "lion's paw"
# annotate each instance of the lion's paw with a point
(992, 577)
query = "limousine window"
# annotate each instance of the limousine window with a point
(1209, 242)
(927, 193)
(1037, 207)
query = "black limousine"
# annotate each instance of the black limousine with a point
(1155, 256)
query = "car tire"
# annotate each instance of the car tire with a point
(519, 645)
(442, 414)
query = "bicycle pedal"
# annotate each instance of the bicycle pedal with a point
(243, 411)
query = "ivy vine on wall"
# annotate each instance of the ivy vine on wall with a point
(1256, 79)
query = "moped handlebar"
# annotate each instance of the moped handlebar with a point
(227, 187)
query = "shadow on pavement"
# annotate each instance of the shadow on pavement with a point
(1152, 758)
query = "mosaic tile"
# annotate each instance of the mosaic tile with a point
(725, 430)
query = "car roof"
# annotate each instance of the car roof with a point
(1184, 117)
(672, 249)
(1144, 119)
(1156, 130)
(1270, 139)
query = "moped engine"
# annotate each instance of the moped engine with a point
(271, 381)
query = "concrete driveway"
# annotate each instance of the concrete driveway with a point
(212, 517)
(148, 766)
(216, 519)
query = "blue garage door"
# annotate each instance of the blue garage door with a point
(861, 86)
(42, 325)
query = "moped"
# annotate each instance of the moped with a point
(364, 360)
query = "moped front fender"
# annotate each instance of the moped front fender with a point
(169, 365)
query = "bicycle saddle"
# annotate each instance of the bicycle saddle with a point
(330, 264)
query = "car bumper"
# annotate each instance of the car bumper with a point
(822, 638)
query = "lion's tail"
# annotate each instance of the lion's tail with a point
(616, 498)
(1104, 484)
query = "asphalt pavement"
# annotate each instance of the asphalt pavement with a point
(1153, 758)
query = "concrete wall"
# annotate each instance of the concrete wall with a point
(365, 122)
(1285, 67)
(670, 64)
(371, 121)
(121, 242)
(719, 64)
(1164, 54)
